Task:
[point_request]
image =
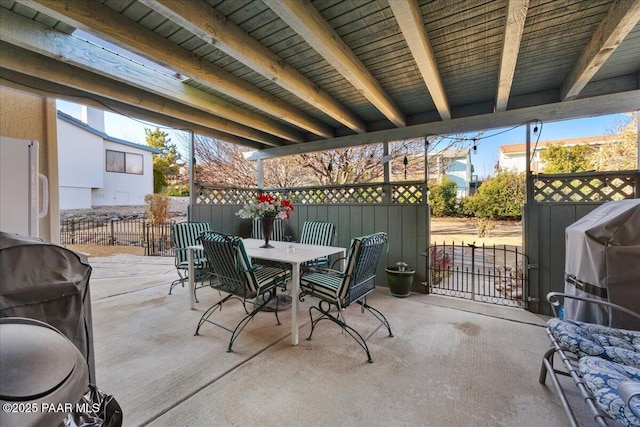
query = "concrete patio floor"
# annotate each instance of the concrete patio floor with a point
(450, 363)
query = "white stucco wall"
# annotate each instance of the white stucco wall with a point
(124, 188)
(517, 161)
(75, 197)
(81, 165)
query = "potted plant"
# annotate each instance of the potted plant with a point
(400, 279)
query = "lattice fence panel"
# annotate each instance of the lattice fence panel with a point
(337, 195)
(224, 196)
(587, 188)
(407, 194)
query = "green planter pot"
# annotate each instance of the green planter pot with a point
(399, 281)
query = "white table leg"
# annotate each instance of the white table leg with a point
(192, 283)
(295, 281)
(343, 256)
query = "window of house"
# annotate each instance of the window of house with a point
(118, 161)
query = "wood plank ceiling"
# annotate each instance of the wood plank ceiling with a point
(289, 76)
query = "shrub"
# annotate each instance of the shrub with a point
(440, 264)
(485, 226)
(500, 197)
(177, 191)
(158, 208)
(442, 198)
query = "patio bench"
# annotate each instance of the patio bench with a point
(603, 362)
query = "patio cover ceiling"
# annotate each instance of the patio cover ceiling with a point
(292, 76)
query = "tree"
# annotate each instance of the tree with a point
(442, 197)
(346, 166)
(283, 172)
(562, 159)
(500, 197)
(165, 164)
(222, 163)
(621, 154)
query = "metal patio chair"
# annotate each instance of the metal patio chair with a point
(318, 233)
(239, 279)
(340, 289)
(183, 235)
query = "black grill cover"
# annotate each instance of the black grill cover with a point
(603, 263)
(47, 282)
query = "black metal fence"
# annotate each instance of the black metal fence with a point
(155, 238)
(494, 274)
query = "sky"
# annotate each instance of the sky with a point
(488, 148)
(483, 160)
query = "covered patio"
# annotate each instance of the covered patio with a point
(287, 77)
(451, 362)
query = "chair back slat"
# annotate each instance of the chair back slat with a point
(229, 262)
(187, 234)
(362, 263)
(318, 233)
(278, 235)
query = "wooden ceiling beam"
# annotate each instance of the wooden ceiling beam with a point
(204, 21)
(38, 66)
(513, 29)
(595, 106)
(623, 16)
(411, 24)
(44, 88)
(98, 19)
(305, 20)
(32, 36)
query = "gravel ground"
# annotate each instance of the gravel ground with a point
(177, 207)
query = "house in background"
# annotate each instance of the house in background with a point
(513, 157)
(98, 170)
(454, 164)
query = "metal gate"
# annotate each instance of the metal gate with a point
(492, 274)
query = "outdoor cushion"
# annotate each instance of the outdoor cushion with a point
(322, 283)
(603, 378)
(588, 339)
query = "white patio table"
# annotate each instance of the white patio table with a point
(286, 252)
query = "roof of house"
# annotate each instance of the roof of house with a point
(591, 140)
(82, 125)
(452, 153)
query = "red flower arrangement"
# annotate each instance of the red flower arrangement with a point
(267, 205)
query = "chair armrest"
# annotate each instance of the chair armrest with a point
(339, 259)
(627, 391)
(554, 299)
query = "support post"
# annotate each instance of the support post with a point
(192, 195)
(260, 175)
(386, 185)
(528, 180)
